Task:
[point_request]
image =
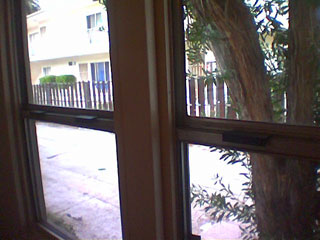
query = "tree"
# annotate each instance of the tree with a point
(258, 77)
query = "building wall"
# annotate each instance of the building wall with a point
(61, 66)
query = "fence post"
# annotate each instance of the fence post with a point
(109, 99)
(87, 95)
(201, 99)
(93, 86)
(220, 99)
(48, 93)
(210, 96)
(231, 113)
(192, 95)
(104, 89)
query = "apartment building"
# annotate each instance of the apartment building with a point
(70, 39)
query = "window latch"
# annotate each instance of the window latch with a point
(246, 138)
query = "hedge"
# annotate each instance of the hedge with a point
(62, 79)
(48, 79)
(66, 79)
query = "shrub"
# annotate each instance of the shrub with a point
(48, 79)
(66, 79)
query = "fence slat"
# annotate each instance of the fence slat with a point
(104, 95)
(72, 94)
(99, 94)
(75, 86)
(80, 94)
(94, 95)
(210, 96)
(220, 100)
(87, 96)
(192, 96)
(42, 101)
(110, 98)
(201, 99)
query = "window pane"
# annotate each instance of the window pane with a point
(250, 63)
(80, 180)
(234, 193)
(64, 36)
(83, 68)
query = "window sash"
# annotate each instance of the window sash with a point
(146, 127)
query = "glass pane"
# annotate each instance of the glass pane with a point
(245, 61)
(80, 180)
(241, 195)
(64, 36)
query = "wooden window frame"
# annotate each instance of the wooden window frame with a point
(145, 134)
(282, 139)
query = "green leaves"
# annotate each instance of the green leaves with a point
(224, 204)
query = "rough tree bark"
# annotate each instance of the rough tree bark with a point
(284, 188)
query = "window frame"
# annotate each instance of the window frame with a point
(157, 150)
(45, 69)
(95, 20)
(163, 119)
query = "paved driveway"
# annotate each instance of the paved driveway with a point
(80, 180)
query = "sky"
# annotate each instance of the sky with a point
(51, 4)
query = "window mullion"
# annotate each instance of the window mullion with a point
(136, 117)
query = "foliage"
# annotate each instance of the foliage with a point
(226, 205)
(48, 79)
(63, 79)
(32, 6)
(271, 17)
(104, 3)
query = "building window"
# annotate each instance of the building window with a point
(100, 71)
(94, 21)
(43, 31)
(33, 41)
(83, 70)
(46, 71)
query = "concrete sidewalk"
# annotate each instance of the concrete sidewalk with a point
(80, 180)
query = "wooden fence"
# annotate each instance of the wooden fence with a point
(207, 99)
(203, 99)
(90, 95)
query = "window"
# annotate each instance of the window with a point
(83, 69)
(46, 71)
(74, 163)
(33, 41)
(33, 37)
(94, 21)
(43, 31)
(134, 123)
(223, 139)
(100, 71)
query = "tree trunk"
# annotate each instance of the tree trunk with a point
(304, 61)
(284, 188)
(234, 53)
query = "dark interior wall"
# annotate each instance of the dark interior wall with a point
(9, 207)
(11, 197)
